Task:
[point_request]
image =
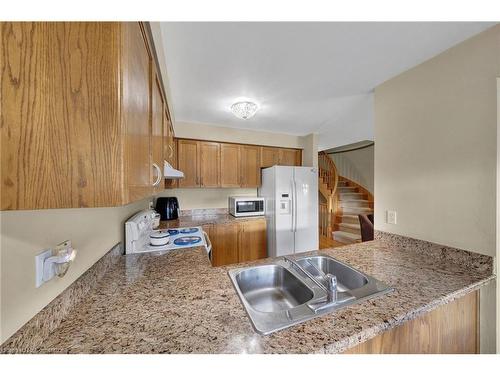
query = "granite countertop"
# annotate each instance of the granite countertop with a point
(178, 303)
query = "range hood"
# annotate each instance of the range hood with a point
(170, 172)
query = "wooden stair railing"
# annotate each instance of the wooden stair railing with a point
(329, 178)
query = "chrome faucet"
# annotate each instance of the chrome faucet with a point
(331, 287)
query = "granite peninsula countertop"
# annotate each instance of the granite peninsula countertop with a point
(178, 303)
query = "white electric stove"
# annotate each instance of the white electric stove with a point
(140, 236)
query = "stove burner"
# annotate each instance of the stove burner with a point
(189, 230)
(173, 231)
(187, 240)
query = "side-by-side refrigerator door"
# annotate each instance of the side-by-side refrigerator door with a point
(305, 192)
(284, 211)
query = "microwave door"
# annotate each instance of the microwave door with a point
(245, 207)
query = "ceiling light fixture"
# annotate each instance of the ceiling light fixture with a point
(244, 110)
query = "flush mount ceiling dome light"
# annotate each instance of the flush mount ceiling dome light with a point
(244, 109)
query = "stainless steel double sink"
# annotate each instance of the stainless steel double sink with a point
(292, 290)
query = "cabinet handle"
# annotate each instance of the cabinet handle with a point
(159, 175)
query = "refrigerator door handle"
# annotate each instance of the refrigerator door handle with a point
(292, 202)
(295, 206)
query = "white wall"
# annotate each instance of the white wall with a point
(435, 156)
(23, 234)
(357, 165)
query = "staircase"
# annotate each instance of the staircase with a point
(352, 200)
(343, 201)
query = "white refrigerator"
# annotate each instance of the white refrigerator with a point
(291, 209)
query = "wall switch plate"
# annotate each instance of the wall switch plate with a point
(39, 259)
(391, 217)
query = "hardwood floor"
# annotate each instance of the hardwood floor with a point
(325, 242)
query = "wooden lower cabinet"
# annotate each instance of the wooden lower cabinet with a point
(238, 242)
(253, 241)
(449, 329)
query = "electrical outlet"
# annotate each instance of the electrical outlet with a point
(39, 259)
(391, 217)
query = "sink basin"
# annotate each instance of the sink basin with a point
(347, 277)
(292, 290)
(272, 288)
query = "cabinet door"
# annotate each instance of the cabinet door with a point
(136, 112)
(225, 244)
(250, 166)
(298, 158)
(60, 133)
(269, 156)
(209, 161)
(288, 156)
(229, 165)
(157, 135)
(253, 242)
(188, 163)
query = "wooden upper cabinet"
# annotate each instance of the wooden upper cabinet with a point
(209, 162)
(169, 143)
(269, 156)
(157, 135)
(290, 156)
(229, 165)
(250, 166)
(136, 97)
(81, 119)
(60, 139)
(187, 160)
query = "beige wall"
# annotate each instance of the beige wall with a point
(205, 198)
(435, 156)
(310, 150)
(357, 165)
(23, 234)
(213, 132)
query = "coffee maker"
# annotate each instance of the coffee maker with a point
(168, 208)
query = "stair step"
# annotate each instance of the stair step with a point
(350, 219)
(342, 184)
(347, 196)
(351, 228)
(354, 203)
(347, 189)
(346, 237)
(356, 210)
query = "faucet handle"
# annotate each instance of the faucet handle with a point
(332, 280)
(331, 287)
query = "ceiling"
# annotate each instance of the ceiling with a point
(306, 76)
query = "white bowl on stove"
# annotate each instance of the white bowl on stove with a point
(159, 238)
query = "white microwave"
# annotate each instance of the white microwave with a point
(246, 206)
